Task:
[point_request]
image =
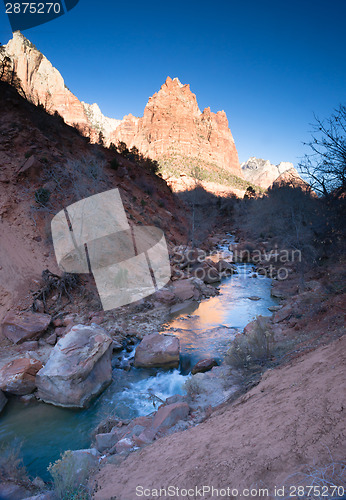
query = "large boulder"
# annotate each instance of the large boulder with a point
(78, 369)
(158, 351)
(24, 326)
(225, 268)
(165, 296)
(106, 440)
(19, 376)
(3, 401)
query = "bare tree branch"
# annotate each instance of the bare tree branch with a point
(325, 167)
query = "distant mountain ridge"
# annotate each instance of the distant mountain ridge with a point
(263, 173)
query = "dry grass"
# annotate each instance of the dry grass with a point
(194, 386)
(318, 482)
(70, 479)
(248, 351)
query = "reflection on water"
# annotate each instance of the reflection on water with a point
(206, 330)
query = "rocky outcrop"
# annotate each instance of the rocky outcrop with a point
(262, 172)
(142, 430)
(165, 418)
(173, 126)
(291, 178)
(41, 83)
(158, 351)
(98, 121)
(24, 326)
(18, 377)
(78, 368)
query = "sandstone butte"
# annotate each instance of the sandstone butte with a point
(172, 125)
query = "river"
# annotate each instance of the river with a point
(205, 330)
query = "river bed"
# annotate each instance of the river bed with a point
(205, 329)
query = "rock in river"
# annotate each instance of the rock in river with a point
(204, 366)
(78, 368)
(158, 351)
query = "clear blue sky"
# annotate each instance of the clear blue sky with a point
(269, 64)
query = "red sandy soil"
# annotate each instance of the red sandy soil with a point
(294, 418)
(28, 132)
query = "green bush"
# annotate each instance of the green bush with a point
(42, 196)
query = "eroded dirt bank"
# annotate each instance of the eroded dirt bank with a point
(292, 420)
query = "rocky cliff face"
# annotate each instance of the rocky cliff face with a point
(291, 178)
(262, 172)
(41, 83)
(173, 126)
(98, 121)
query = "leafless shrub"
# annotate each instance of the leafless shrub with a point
(62, 286)
(194, 386)
(70, 477)
(318, 482)
(251, 350)
(11, 463)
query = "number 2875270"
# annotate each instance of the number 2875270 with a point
(33, 8)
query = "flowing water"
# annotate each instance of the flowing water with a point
(205, 330)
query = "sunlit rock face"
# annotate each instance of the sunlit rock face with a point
(41, 83)
(262, 172)
(98, 121)
(291, 178)
(173, 126)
